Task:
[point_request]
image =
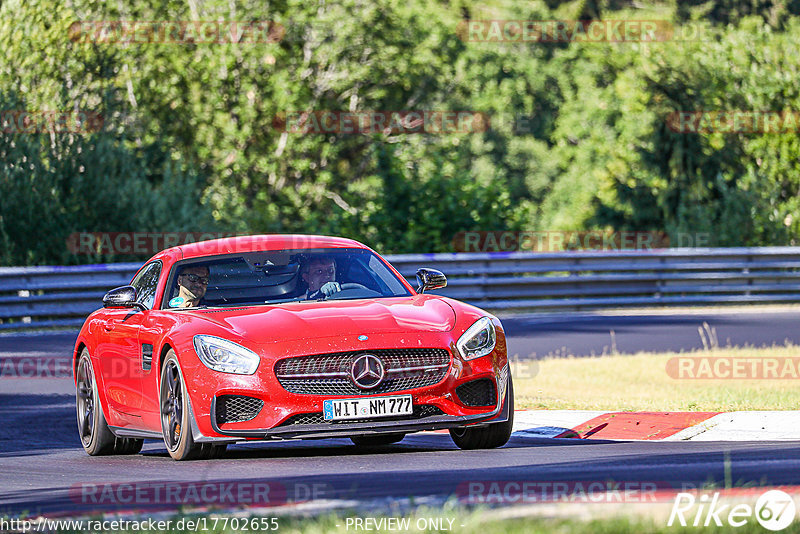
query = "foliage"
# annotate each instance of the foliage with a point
(579, 137)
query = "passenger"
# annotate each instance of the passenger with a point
(192, 286)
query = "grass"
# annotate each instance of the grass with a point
(640, 382)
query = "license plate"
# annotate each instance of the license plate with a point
(339, 409)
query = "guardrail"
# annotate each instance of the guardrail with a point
(43, 297)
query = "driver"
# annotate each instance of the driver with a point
(192, 285)
(319, 274)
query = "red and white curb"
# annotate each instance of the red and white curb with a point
(656, 426)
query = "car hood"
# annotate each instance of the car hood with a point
(303, 320)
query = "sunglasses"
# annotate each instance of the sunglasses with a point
(193, 278)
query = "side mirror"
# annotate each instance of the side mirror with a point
(122, 297)
(428, 279)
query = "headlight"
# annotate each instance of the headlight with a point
(478, 340)
(225, 356)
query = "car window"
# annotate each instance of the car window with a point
(388, 280)
(272, 277)
(146, 283)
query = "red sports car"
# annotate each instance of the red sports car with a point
(283, 337)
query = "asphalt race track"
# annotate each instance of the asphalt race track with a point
(426, 467)
(587, 335)
(45, 470)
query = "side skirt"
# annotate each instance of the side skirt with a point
(124, 432)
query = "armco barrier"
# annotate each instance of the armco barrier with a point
(42, 297)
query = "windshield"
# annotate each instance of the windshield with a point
(273, 277)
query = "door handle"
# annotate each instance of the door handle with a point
(110, 325)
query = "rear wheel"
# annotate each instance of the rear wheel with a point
(96, 438)
(489, 436)
(175, 424)
(377, 440)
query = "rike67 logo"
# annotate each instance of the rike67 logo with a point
(774, 510)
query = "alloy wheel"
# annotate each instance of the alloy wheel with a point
(172, 405)
(86, 400)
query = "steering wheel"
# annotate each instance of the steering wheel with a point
(353, 290)
(353, 285)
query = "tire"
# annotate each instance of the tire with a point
(490, 436)
(96, 438)
(175, 424)
(376, 441)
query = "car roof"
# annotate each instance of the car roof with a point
(256, 243)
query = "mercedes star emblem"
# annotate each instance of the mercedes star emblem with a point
(367, 371)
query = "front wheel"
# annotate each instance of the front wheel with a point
(175, 424)
(490, 436)
(96, 438)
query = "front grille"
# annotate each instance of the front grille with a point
(237, 408)
(305, 419)
(479, 392)
(420, 411)
(329, 374)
